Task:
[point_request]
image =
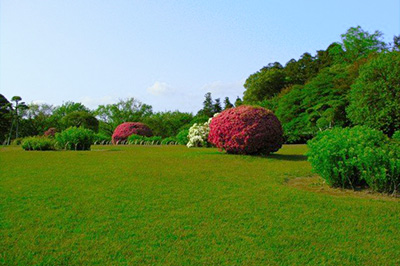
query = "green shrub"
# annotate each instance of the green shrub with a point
(74, 138)
(38, 144)
(153, 140)
(135, 138)
(182, 137)
(101, 138)
(359, 156)
(168, 141)
(17, 141)
(396, 136)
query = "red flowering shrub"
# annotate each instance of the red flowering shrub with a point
(246, 130)
(51, 132)
(123, 131)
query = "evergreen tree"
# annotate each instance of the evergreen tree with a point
(208, 106)
(227, 103)
(238, 102)
(217, 106)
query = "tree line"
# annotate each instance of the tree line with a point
(353, 82)
(18, 120)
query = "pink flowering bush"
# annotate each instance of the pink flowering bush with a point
(123, 131)
(246, 130)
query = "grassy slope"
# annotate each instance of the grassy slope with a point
(179, 206)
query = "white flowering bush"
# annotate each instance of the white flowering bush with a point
(198, 134)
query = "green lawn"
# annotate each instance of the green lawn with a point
(169, 205)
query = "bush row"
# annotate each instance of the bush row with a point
(72, 138)
(75, 138)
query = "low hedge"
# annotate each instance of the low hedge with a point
(137, 139)
(38, 143)
(100, 138)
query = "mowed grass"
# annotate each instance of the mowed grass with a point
(169, 205)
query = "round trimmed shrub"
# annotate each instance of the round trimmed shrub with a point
(123, 131)
(353, 157)
(51, 132)
(246, 130)
(75, 138)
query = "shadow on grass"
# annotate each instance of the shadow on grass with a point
(287, 157)
(281, 157)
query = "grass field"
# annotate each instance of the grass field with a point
(169, 205)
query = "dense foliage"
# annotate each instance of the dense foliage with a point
(354, 81)
(246, 130)
(75, 138)
(123, 131)
(353, 157)
(318, 105)
(38, 144)
(80, 119)
(375, 96)
(396, 135)
(182, 137)
(167, 124)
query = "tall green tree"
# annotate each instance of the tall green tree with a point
(168, 124)
(264, 84)
(129, 110)
(217, 106)
(298, 72)
(396, 43)
(208, 106)
(238, 101)
(375, 95)
(80, 119)
(17, 107)
(37, 119)
(357, 43)
(227, 103)
(69, 107)
(5, 118)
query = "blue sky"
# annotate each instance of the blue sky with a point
(165, 53)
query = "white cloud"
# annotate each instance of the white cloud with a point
(160, 88)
